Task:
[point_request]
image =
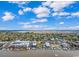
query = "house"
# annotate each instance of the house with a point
(19, 44)
(33, 44)
(23, 44)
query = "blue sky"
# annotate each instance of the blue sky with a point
(39, 15)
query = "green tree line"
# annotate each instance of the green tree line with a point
(11, 36)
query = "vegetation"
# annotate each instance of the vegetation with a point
(11, 36)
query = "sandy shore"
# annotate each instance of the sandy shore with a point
(39, 53)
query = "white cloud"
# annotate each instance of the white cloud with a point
(69, 28)
(54, 14)
(18, 2)
(20, 12)
(66, 28)
(33, 27)
(61, 14)
(25, 23)
(73, 28)
(39, 21)
(41, 11)
(42, 15)
(21, 5)
(68, 14)
(49, 28)
(33, 21)
(38, 27)
(47, 3)
(75, 14)
(59, 5)
(8, 16)
(27, 9)
(61, 23)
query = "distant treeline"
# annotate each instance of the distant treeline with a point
(11, 36)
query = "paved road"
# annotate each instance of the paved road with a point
(39, 53)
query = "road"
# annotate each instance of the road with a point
(39, 53)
